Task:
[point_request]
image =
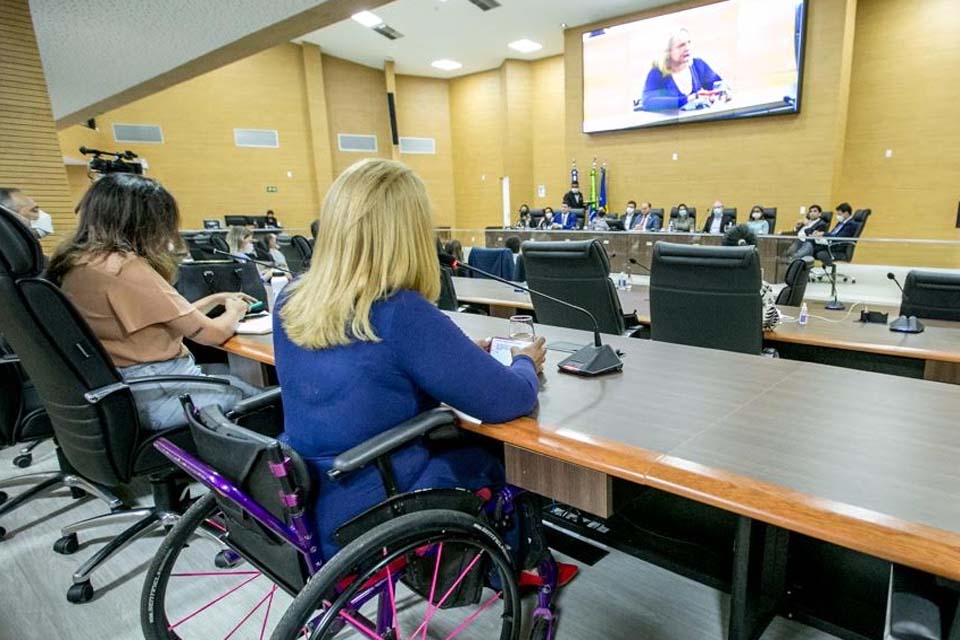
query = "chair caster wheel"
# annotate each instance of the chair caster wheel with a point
(227, 559)
(80, 593)
(3, 497)
(66, 546)
(23, 460)
(3, 533)
(76, 493)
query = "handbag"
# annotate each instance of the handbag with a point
(197, 280)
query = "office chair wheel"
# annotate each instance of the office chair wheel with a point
(76, 493)
(449, 571)
(80, 593)
(3, 533)
(23, 460)
(227, 559)
(188, 595)
(3, 497)
(67, 545)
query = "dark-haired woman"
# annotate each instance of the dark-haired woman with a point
(117, 268)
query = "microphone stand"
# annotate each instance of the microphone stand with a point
(247, 258)
(905, 324)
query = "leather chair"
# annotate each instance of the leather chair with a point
(448, 292)
(218, 242)
(578, 273)
(581, 217)
(304, 250)
(731, 212)
(294, 261)
(796, 284)
(692, 214)
(770, 215)
(91, 408)
(692, 283)
(23, 419)
(931, 294)
(841, 250)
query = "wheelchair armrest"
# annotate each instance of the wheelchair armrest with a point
(99, 394)
(269, 398)
(390, 440)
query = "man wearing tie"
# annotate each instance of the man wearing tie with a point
(565, 219)
(645, 220)
(844, 229)
(718, 221)
(573, 198)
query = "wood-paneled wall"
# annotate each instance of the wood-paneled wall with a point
(29, 151)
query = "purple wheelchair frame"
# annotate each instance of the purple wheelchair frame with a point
(302, 536)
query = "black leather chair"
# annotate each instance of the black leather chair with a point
(448, 292)
(692, 283)
(770, 215)
(520, 269)
(237, 221)
(798, 273)
(91, 408)
(841, 250)
(931, 294)
(578, 273)
(730, 212)
(304, 249)
(691, 211)
(23, 419)
(218, 242)
(581, 217)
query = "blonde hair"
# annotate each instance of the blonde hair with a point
(375, 238)
(665, 62)
(235, 237)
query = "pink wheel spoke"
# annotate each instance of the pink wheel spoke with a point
(213, 602)
(473, 616)
(200, 574)
(266, 616)
(359, 626)
(433, 587)
(249, 613)
(447, 595)
(393, 599)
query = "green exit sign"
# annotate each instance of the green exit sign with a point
(271, 189)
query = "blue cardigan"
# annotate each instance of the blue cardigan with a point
(336, 398)
(660, 92)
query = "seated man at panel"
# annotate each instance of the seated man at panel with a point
(717, 222)
(645, 220)
(843, 229)
(739, 236)
(565, 219)
(573, 198)
(29, 212)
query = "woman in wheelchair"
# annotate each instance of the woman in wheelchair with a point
(402, 531)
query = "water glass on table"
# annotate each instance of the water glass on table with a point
(521, 328)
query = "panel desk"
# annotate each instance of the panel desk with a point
(800, 461)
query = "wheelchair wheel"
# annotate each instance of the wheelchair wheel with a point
(434, 574)
(191, 593)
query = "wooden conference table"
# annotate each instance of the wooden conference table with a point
(870, 465)
(932, 355)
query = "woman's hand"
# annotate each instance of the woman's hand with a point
(483, 343)
(536, 351)
(207, 304)
(237, 305)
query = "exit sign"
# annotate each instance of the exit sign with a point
(271, 189)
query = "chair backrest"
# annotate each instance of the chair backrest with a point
(520, 269)
(932, 295)
(578, 273)
(211, 224)
(218, 242)
(692, 211)
(770, 215)
(657, 211)
(731, 212)
(581, 216)
(827, 216)
(22, 416)
(691, 283)
(237, 221)
(536, 216)
(448, 292)
(843, 251)
(499, 262)
(200, 246)
(798, 273)
(244, 458)
(65, 361)
(304, 249)
(292, 255)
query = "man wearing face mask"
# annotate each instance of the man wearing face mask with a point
(683, 222)
(813, 226)
(718, 221)
(843, 229)
(573, 198)
(27, 210)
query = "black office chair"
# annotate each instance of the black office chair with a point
(91, 408)
(218, 242)
(237, 221)
(520, 270)
(931, 294)
(691, 283)
(23, 419)
(841, 250)
(691, 213)
(770, 215)
(448, 292)
(730, 212)
(796, 284)
(304, 250)
(659, 212)
(578, 273)
(581, 217)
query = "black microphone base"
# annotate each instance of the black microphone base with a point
(905, 324)
(592, 361)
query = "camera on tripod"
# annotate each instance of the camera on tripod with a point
(117, 162)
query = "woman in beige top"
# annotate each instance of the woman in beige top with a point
(117, 269)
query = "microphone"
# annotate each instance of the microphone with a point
(592, 360)
(634, 262)
(890, 276)
(905, 324)
(249, 259)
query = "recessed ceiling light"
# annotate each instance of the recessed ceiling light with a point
(525, 46)
(446, 65)
(563, 25)
(367, 18)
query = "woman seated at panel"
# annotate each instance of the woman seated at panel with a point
(757, 223)
(455, 248)
(684, 221)
(360, 347)
(116, 269)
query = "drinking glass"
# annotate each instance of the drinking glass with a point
(521, 328)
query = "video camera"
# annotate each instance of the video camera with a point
(117, 163)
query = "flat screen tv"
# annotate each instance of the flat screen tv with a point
(728, 59)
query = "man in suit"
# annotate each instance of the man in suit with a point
(717, 221)
(27, 211)
(845, 228)
(646, 220)
(564, 219)
(573, 198)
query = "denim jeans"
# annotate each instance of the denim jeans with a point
(159, 403)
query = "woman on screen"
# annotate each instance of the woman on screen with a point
(680, 81)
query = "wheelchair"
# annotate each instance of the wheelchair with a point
(244, 560)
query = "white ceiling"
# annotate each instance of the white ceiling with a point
(94, 49)
(458, 30)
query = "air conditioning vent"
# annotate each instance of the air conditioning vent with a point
(264, 138)
(486, 5)
(356, 142)
(426, 146)
(150, 133)
(387, 31)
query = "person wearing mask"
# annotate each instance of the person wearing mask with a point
(573, 198)
(599, 222)
(240, 242)
(270, 220)
(116, 269)
(683, 223)
(547, 220)
(524, 220)
(273, 248)
(27, 210)
(718, 221)
(739, 236)
(843, 229)
(371, 318)
(757, 224)
(812, 226)
(565, 219)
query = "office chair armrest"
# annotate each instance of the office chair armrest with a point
(389, 441)
(98, 395)
(9, 358)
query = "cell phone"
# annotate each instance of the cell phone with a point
(256, 307)
(500, 349)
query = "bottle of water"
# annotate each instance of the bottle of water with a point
(672, 227)
(622, 281)
(804, 315)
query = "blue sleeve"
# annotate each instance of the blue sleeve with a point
(450, 368)
(658, 94)
(707, 75)
(655, 223)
